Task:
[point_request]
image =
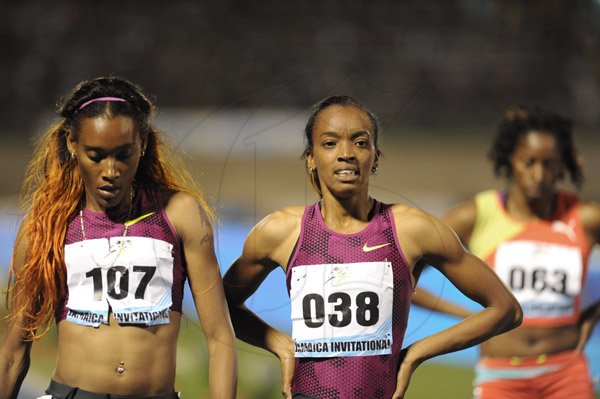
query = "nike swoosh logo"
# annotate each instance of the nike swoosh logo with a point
(134, 221)
(367, 248)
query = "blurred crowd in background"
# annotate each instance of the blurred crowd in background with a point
(234, 79)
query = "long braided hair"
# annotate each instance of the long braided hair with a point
(53, 191)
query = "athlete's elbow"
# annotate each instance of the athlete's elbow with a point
(513, 315)
(235, 303)
(233, 295)
(517, 316)
(220, 339)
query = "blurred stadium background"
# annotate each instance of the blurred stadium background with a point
(233, 82)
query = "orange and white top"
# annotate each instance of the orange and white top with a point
(543, 262)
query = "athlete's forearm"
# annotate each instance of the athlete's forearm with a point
(469, 332)
(427, 300)
(15, 355)
(222, 368)
(253, 330)
(13, 369)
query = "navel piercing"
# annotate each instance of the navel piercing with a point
(120, 369)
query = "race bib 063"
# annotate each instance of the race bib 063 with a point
(134, 276)
(342, 309)
(544, 277)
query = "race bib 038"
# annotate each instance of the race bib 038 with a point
(342, 309)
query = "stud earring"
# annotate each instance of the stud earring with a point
(73, 155)
(374, 169)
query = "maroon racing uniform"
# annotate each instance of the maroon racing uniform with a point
(331, 365)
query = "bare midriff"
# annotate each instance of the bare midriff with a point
(117, 359)
(532, 341)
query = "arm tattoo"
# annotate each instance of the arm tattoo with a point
(206, 238)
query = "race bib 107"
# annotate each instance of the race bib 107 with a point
(134, 277)
(342, 309)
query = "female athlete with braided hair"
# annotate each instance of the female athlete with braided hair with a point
(112, 230)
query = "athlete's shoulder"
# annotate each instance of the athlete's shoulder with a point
(593, 208)
(589, 214)
(488, 194)
(272, 233)
(411, 218)
(462, 219)
(290, 212)
(281, 222)
(404, 210)
(422, 233)
(488, 201)
(178, 203)
(186, 212)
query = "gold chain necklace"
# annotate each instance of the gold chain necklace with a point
(122, 241)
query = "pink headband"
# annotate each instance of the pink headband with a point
(85, 104)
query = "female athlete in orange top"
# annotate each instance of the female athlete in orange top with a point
(537, 238)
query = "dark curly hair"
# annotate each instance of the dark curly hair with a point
(520, 120)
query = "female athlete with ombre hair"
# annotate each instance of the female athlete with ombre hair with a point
(112, 230)
(352, 263)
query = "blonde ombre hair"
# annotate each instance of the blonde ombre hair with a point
(53, 192)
